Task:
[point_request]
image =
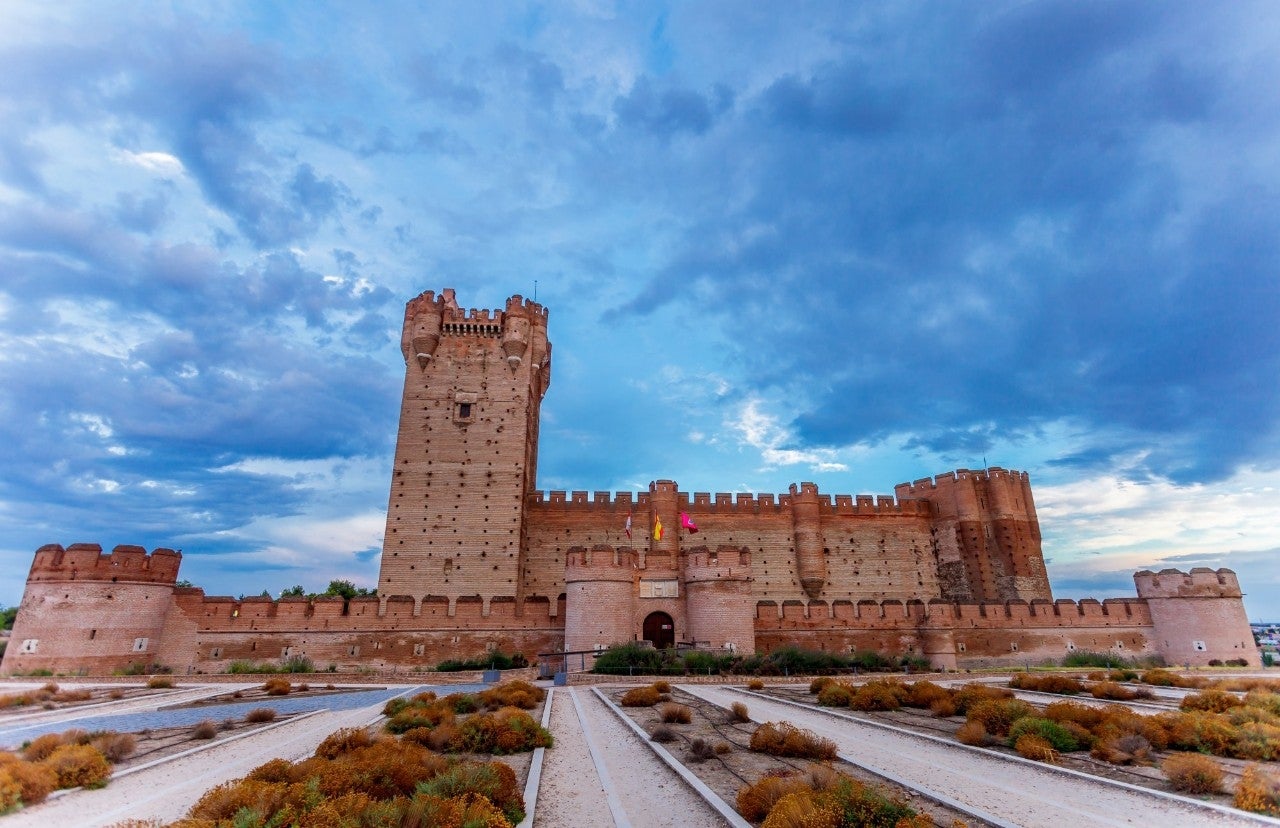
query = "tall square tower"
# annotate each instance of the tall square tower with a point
(467, 449)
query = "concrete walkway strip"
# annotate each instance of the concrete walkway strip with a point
(620, 819)
(711, 797)
(535, 770)
(212, 743)
(995, 754)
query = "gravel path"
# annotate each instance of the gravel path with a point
(168, 790)
(1021, 794)
(644, 791)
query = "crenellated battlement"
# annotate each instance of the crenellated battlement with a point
(580, 560)
(1200, 582)
(926, 486)
(699, 504)
(86, 562)
(723, 564)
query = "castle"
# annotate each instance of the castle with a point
(476, 558)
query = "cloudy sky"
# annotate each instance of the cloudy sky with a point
(852, 244)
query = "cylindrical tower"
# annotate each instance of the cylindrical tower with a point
(718, 601)
(811, 564)
(599, 597)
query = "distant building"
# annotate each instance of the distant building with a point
(475, 558)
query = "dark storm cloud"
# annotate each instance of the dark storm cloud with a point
(1005, 235)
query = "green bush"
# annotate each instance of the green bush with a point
(490, 661)
(1085, 658)
(1054, 733)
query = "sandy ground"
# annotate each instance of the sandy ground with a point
(646, 792)
(1021, 794)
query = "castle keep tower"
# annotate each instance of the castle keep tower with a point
(466, 452)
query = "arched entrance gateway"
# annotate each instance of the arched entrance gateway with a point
(660, 629)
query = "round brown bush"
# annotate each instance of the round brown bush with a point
(1258, 791)
(205, 730)
(755, 684)
(260, 714)
(344, 741)
(785, 739)
(1192, 773)
(78, 766)
(820, 682)
(115, 746)
(998, 715)
(1036, 747)
(641, 697)
(672, 713)
(738, 712)
(835, 694)
(277, 686)
(662, 686)
(35, 780)
(41, 746)
(756, 800)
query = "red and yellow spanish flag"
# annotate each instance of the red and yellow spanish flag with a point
(657, 529)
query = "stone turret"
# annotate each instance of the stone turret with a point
(1198, 615)
(599, 597)
(811, 564)
(718, 601)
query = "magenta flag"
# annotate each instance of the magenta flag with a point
(687, 523)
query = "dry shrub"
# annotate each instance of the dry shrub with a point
(1038, 748)
(1257, 742)
(1201, 732)
(924, 694)
(816, 686)
(700, 750)
(303, 688)
(1264, 700)
(973, 733)
(801, 810)
(943, 707)
(672, 713)
(662, 733)
(278, 686)
(877, 695)
(661, 686)
(1212, 701)
(1113, 691)
(205, 730)
(1065, 685)
(260, 714)
(857, 804)
(35, 781)
(1069, 711)
(785, 739)
(228, 724)
(41, 746)
(998, 715)
(755, 684)
(275, 770)
(344, 741)
(640, 697)
(738, 713)
(116, 695)
(509, 730)
(1258, 791)
(1192, 773)
(1125, 749)
(78, 766)
(835, 694)
(755, 801)
(115, 746)
(514, 693)
(722, 748)
(72, 696)
(414, 714)
(1163, 678)
(446, 738)
(971, 694)
(159, 683)
(385, 769)
(10, 792)
(265, 799)
(492, 780)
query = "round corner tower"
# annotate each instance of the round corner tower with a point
(718, 601)
(599, 597)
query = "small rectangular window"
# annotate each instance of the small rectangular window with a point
(139, 645)
(464, 411)
(30, 644)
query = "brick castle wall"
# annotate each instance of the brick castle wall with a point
(475, 558)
